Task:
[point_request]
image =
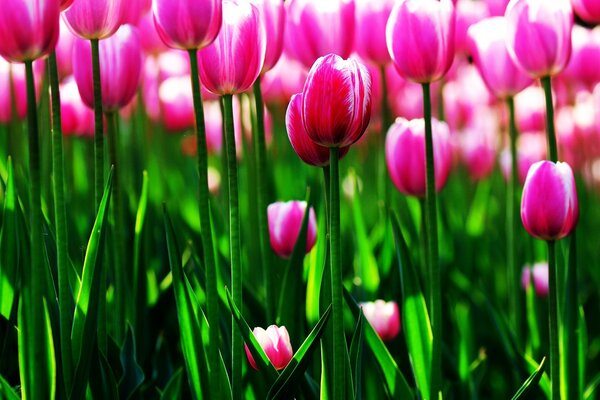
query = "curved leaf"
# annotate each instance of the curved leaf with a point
(531, 382)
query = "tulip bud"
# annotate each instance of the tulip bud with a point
(371, 17)
(76, 117)
(384, 317)
(549, 208)
(405, 155)
(336, 102)
(95, 19)
(587, 10)
(539, 271)
(273, 18)
(420, 38)
(285, 222)
(539, 35)
(135, 10)
(275, 341)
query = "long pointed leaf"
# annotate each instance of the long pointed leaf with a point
(531, 382)
(9, 246)
(356, 354)
(6, 391)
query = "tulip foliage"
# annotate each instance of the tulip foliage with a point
(337, 199)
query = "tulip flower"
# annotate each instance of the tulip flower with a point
(539, 272)
(273, 18)
(275, 342)
(135, 10)
(371, 18)
(283, 81)
(76, 118)
(468, 13)
(478, 143)
(420, 38)
(64, 4)
(583, 65)
(531, 148)
(18, 84)
(149, 38)
(94, 19)
(587, 10)
(384, 317)
(496, 8)
(285, 222)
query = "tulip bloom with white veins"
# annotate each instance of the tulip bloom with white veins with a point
(275, 342)
(384, 317)
(285, 222)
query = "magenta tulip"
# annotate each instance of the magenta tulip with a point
(405, 155)
(531, 148)
(64, 4)
(549, 208)
(539, 35)
(371, 18)
(316, 28)
(275, 341)
(496, 8)
(135, 10)
(120, 68)
(587, 10)
(176, 103)
(76, 118)
(95, 19)
(336, 101)
(530, 107)
(479, 142)
(64, 50)
(487, 45)
(539, 271)
(149, 39)
(420, 38)
(187, 24)
(583, 66)
(283, 81)
(273, 18)
(285, 222)
(384, 317)
(17, 72)
(468, 13)
(28, 29)
(233, 61)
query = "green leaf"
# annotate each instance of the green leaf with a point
(103, 384)
(590, 391)
(9, 247)
(85, 320)
(6, 391)
(173, 388)
(133, 375)
(285, 385)
(356, 348)
(415, 318)
(544, 380)
(531, 382)
(139, 280)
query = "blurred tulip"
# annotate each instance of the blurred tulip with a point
(549, 208)
(149, 39)
(95, 19)
(420, 38)
(487, 45)
(530, 107)
(496, 8)
(583, 66)
(285, 222)
(275, 341)
(28, 29)
(371, 18)
(587, 10)
(173, 63)
(17, 73)
(233, 61)
(135, 10)
(384, 317)
(405, 155)
(478, 144)
(64, 50)
(76, 118)
(176, 103)
(468, 13)
(406, 97)
(316, 28)
(539, 271)
(531, 148)
(64, 4)
(539, 35)
(273, 17)
(336, 101)
(120, 68)
(283, 81)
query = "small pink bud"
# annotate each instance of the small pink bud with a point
(275, 341)
(285, 222)
(540, 278)
(384, 317)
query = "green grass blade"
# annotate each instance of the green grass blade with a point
(531, 382)
(138, 281)
(133, 375)
(173, 388)
(356, 348)
(6, 391)
(9, 246)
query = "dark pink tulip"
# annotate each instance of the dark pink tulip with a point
(233, 61)
(487, 45)
(285, 222)
(316, 28)
(187, 24)
(539, 271)
(549, 208)
(95, 19)
(64, 4)
(583, 66)
(468, 13)
(17, 71)
(539, 35)
(275, 341)
(384, 317)
(273, 17)
(120, 68)
(336, 101)
(149, 39)
(283, 81)
(531, 148)
(405, 155)
(64, 50)
(135, 10)
(420, 38)
(28, 29)
(76, 118)
(176, 103)
(587, 10)
(369, 37)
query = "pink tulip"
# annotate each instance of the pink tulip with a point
(405, 155)
(283, 81)
(370, 42)
(468, 13)
(496, 8)
(187, 24)
(64, 50)
(530, 107)
(539, 35)
(587, 10)
(406, 97)
(95, 19)
(531, 148)
(173, 63)
(384, 317)
(273, 17)
(135, 10)
(17, 72)
(149, 39)
(487, 45)
(120, 68)
(28, 29)
(583, 66)
(285, 222)
(176, 103)
(275, 341)
(549, 208)
(76, 118)
(336, 102)
(478, 144)
(233, 61)
(316, 28)
(539, 271)
(420, 38)
(64, 4)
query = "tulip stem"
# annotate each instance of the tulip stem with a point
(435, 303)
(339, 340)
(260, 149)
(60, 217)
(512, 211)
(551, 134)
(234, 243)
(98, 132)
(571, 304)
(212, 296)
(553, 322)
(385, 124)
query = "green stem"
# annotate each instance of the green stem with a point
(260, 149)
(425, 247)
(435, 302)
(551, 134)
(512, 212)
(553, 322)
(234, 243)
(327, 184)
(339, 340)
(60, 216)
(212, 296)
(385, 124)
(98, 132)
(571, 312)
